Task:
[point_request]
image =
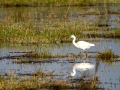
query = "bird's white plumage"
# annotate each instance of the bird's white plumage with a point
(81, 67)
(81, 44)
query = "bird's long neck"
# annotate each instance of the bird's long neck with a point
(74, 72)
(74, 41)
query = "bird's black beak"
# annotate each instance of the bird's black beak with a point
(68, 37)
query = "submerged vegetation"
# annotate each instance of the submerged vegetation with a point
(107, 55)
(26, 58)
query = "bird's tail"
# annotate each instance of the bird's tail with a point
(92, 44)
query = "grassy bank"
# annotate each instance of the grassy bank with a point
(51, 25)
(50, 31)
(8, 3)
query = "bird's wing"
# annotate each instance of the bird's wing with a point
(84, 66)
(83, 43)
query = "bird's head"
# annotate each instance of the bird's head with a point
(72, 36)
(72, 74)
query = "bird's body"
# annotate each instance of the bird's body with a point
(81, 67)
(81, 44)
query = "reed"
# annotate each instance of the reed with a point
(8, 3)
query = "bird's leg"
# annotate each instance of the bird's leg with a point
(80, 51)
(86, 54)
(80, 71)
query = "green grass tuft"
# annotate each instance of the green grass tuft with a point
(107, 55)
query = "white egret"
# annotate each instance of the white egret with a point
(81, 67)
(81, 44)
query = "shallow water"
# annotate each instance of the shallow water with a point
(108, 73)
(41, 14)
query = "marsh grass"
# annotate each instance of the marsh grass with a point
(33, 83)
(38, 82)
(8, 3)
(111, 33)
(50, 31)
(107, 55)
(39, 57)
(24, 29)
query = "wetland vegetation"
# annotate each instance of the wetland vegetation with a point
(107, 55)
(50, 30)
(8, 3)
(34, 82)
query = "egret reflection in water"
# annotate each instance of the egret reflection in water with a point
(82, 67)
